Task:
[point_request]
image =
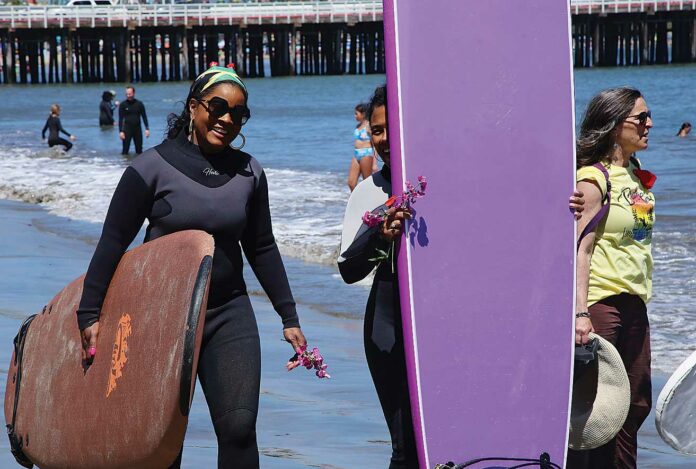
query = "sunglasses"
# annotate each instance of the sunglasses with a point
(642, 117)
(218, 107)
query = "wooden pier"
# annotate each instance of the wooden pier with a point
(633, 32)
(145, 43)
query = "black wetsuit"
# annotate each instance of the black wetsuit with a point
(106, 113)
(129, 115)
(54, 126)
(176, 188)
(383, 334)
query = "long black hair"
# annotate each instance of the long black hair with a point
(604, 112)
(177, 123)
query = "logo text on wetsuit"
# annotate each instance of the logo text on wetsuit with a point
(119, 355)
(210, 172)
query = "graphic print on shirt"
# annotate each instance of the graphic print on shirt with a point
(643, 210)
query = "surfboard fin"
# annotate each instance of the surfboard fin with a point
(16, 444)
(16, 441)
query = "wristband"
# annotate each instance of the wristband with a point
(583, 314)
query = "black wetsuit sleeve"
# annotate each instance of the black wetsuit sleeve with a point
(121, 118)
(356, 263)
(43, 132)
(60, 127)
(130, 205)
(144, 115)
(264, 258)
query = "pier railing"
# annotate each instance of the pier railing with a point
(629, 6)
(286, 12)
(290, 12)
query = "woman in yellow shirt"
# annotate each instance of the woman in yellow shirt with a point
(614, 264)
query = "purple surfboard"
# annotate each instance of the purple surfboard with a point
(481, 103)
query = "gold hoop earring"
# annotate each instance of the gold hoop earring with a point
(243, 142)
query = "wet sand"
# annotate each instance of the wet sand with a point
(303, 421)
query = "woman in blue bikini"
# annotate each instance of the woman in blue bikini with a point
(363, 160)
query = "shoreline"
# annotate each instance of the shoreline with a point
(303, 421)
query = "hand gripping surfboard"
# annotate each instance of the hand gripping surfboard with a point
(129, 409)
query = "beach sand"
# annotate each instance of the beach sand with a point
(303, 421)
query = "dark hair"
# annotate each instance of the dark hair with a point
(131, 87)
(361, 108)
(379, 98)
(107, 96)
(177, 123)
(685, 125)
(604, 112)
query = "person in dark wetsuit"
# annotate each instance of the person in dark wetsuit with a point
(383, 333)
(54, 126)
(129, 114)
(196, 180)
(383, 336)
(106, 110)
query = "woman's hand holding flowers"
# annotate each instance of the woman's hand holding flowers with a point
(394, 222)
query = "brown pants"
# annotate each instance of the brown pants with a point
(623, 321)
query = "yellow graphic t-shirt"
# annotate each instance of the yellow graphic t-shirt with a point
(622, 260)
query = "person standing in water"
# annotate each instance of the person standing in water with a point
(129, 114)
(363, 161)
(54, 126)
(684, 129)
(106, 109)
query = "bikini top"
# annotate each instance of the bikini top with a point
(361, 134)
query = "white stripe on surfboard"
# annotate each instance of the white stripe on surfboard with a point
(408, 249)
(572, 331)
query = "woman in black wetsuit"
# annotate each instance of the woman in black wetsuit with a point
(195, 179)
(54, 126)
(383, 334)
(106, 110)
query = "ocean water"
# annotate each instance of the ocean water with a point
(300, 131)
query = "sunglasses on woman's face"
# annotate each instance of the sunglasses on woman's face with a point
(642, 117)
(218, 107)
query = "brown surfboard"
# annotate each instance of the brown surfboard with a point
(129, 409)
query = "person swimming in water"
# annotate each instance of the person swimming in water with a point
(54, 128)
(684, 129)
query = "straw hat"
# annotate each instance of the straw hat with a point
(601, 397)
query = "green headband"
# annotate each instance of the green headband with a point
(216, 74)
